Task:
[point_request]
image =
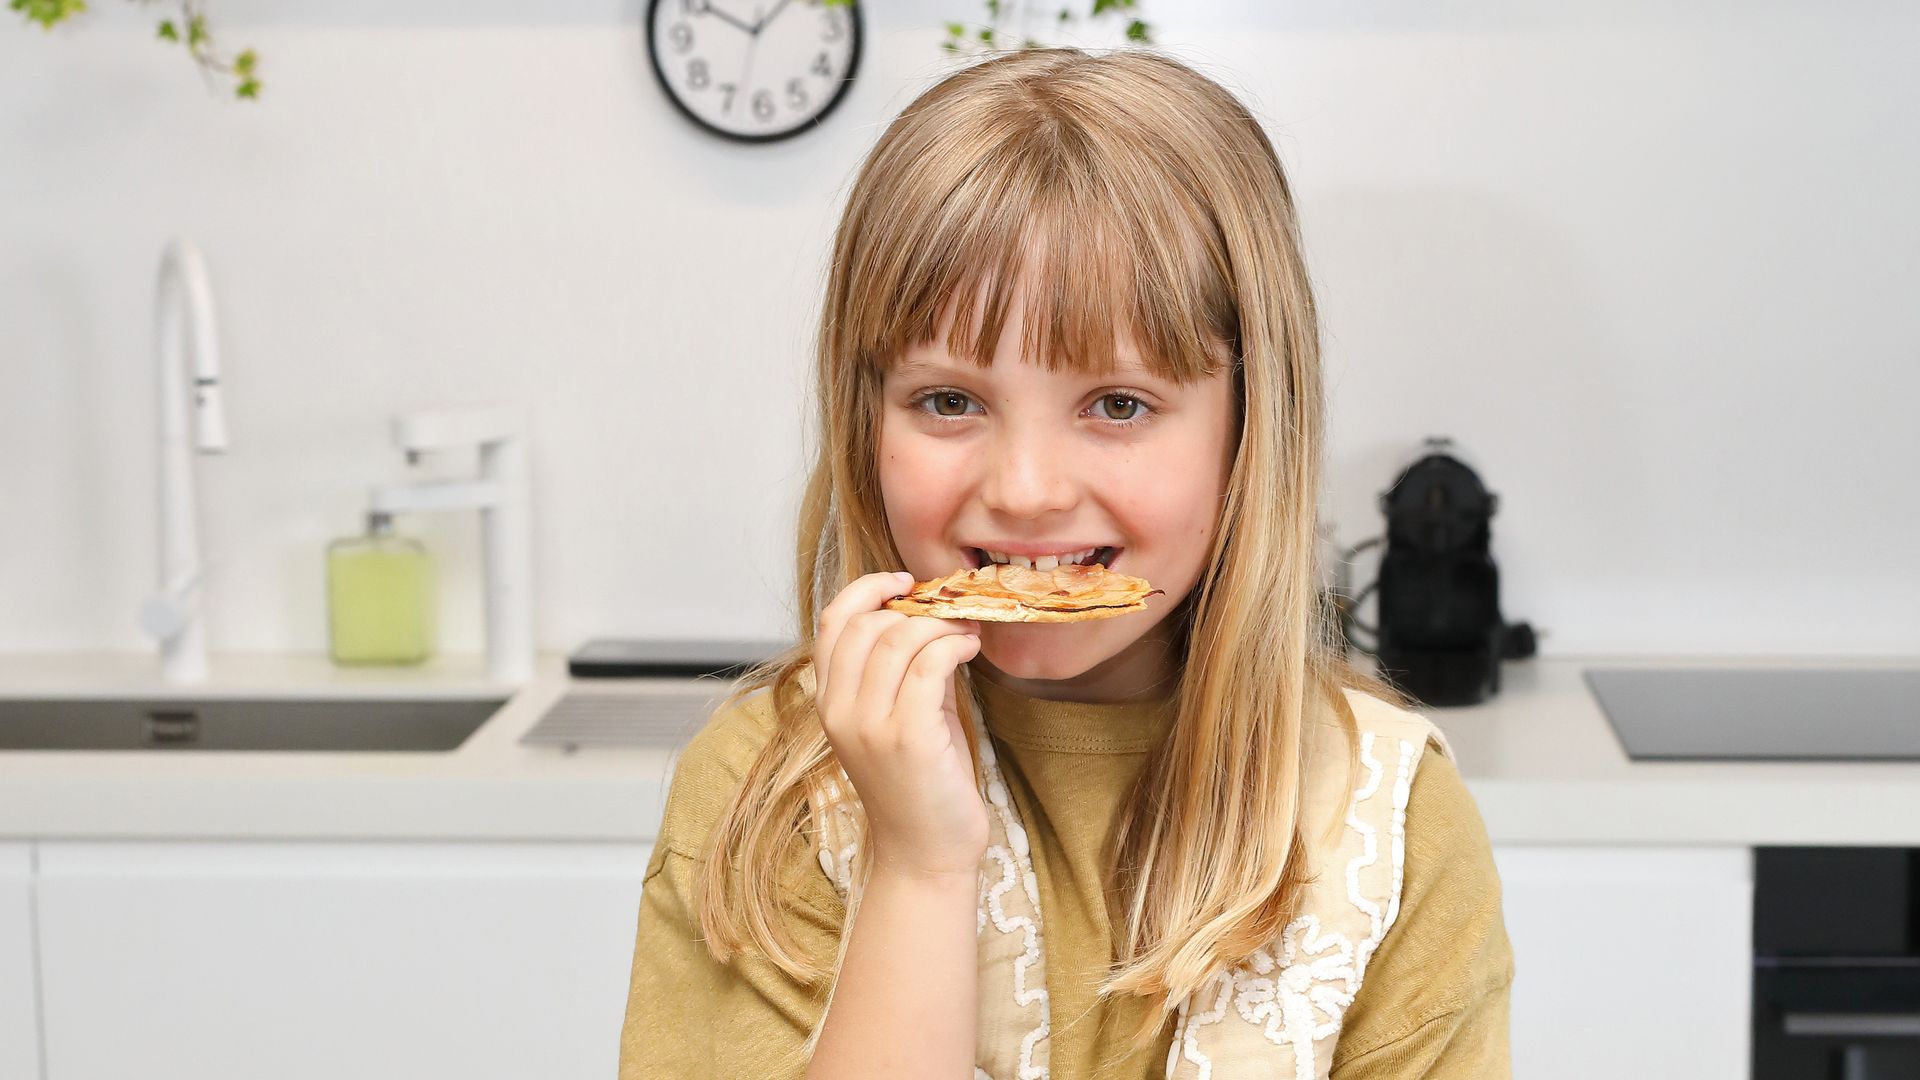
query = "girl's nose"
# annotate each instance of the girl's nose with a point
(1028, 476)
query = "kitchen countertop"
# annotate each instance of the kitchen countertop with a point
(1545, 767)
(1541, 760)
(489, 788)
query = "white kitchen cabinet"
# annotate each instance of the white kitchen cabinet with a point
(19, 1012)
(316, 961)
(211, 961)
(1629, 961)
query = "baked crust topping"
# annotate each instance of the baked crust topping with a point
(1000, 592)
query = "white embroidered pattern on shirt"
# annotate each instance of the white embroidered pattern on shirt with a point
(839, 869)
(1015, 864)
(1318, 972)
(1402, 791)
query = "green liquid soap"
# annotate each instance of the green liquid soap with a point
(380, 597)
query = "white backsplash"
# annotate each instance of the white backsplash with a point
(1652, 266)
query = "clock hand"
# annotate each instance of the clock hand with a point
(746, 73)
(715, 9)
(768, 17)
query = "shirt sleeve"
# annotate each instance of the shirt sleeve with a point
(1434, 1001)
(688, 1015)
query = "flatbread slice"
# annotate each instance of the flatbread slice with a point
(1074, 592)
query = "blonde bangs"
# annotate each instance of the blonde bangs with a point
(1043, 213)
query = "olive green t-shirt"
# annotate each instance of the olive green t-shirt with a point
(1433, 1003)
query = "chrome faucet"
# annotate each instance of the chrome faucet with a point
(183, 325)
(501, 495)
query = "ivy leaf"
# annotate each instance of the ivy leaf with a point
(1138, 31)
(1101, 7)
(47, 12)
(955, 29)
(244, 67)
(1066, 15)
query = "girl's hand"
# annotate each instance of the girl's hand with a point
(884, 685)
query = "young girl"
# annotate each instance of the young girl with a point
(1067, 319)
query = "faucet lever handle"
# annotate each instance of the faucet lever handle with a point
(166, 613)
(163, 617)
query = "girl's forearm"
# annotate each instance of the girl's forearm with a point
(906, 1003)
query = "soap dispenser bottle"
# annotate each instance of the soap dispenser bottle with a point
(380, 597)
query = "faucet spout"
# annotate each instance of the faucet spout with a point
(501, 495)
(437, 495)
(184, 333)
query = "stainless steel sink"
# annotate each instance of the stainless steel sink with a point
(342, 724)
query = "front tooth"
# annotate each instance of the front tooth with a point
(1046, 562)
(1020, 560)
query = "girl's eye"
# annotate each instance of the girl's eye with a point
(1132, 410)
(943, 401)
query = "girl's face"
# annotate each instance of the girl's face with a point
(1018, 460)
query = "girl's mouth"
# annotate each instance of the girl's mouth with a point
(975, 558)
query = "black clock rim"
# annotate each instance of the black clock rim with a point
(839, 94)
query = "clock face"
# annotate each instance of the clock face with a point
(754, 70)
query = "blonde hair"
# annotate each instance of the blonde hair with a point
(1149, 202)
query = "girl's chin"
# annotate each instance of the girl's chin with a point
(1036, 650)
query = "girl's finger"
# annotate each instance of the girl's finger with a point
(864, 593)
(874, 701)
(924, 690)
(851, 652)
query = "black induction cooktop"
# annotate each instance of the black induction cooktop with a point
(1762, 714)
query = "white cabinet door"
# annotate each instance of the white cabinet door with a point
(1629, 961)
(19, 1011)
(317, 961)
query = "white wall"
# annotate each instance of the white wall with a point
(1653, 264)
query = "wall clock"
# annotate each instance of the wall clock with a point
(754, 70)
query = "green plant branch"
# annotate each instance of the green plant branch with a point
(990, 36)
(188, 29)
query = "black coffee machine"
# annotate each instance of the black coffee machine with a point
(1440, 636)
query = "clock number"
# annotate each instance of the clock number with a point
(726, 99)
(763, 104)
(835, 28)
(682, 36)
(697, 74)
(822, 66)
(796, 95)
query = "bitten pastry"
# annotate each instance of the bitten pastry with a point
(999, 592)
